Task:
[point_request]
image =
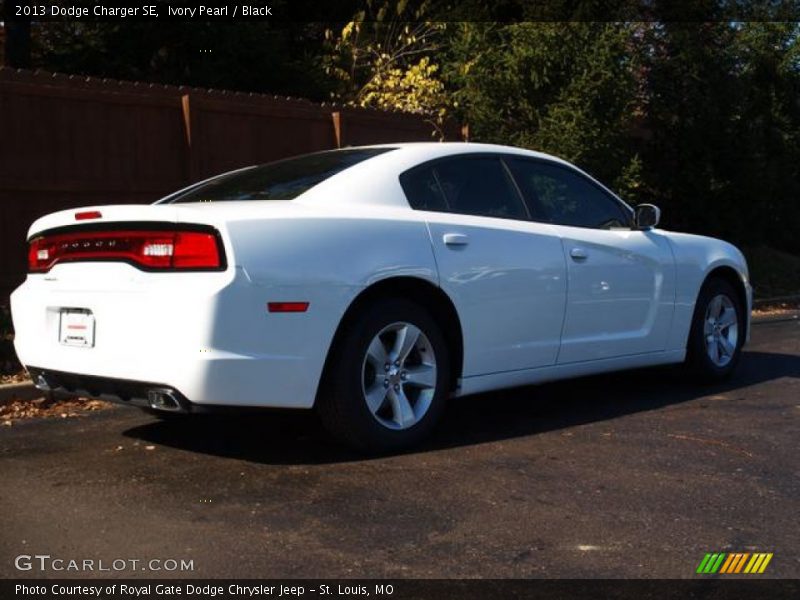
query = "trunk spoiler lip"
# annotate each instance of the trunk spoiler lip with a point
(112, 225)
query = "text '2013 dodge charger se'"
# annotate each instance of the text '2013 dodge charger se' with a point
(372, 284)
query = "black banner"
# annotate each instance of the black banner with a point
(413, 10)
(414, 589)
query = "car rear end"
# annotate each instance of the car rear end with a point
(228, 292)
(120, 303)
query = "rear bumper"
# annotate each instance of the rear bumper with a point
(207, 338)
(122, 391)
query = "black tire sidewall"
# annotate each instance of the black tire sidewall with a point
(343, 408)
(697, 356)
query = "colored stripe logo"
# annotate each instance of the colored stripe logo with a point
(734, 562)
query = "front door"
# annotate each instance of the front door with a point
(621, 288)
(620, 281)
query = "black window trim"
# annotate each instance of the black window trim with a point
(624, 208)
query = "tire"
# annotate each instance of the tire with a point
(715, 342)
(360, 400)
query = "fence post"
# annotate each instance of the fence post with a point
(336, 116)
(189, 120)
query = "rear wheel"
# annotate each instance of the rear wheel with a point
(717, 334)
(387, 379)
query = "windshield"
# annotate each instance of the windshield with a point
(282, 180)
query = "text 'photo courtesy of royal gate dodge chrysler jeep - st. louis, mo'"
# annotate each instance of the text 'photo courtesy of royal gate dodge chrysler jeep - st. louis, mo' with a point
(373, 284)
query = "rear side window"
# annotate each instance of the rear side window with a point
(563, 197)
(422, 189)
(479, 186)
(469, 185)
(282, 180)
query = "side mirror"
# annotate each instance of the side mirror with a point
(646, 216)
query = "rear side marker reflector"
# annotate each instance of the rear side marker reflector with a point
(89, 214)
(150, 250)
(287, 307)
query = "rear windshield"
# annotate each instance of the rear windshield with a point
(282, 180)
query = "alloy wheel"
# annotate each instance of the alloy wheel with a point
(399, 375)
(721, 330)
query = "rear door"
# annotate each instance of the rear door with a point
(621, 282)
(505, 273)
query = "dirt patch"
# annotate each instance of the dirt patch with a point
(775, 309)
(17, 410)
(19, 376)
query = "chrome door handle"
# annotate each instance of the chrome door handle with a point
(455, 239)
(578, 254)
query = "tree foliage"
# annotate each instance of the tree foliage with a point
(702, 118)
(564, 88)
(388, 62)
(725, 124)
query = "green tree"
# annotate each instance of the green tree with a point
(765, 133)
(382, 59)
(723, 114)
(565, 88)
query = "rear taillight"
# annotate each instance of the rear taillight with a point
(152, 250)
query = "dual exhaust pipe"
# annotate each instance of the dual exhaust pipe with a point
(163, 399)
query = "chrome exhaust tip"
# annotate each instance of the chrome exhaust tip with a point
(163, 399)
(41, 383)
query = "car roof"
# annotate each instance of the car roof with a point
(431, 150)
(375, 181)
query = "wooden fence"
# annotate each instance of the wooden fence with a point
(68, 141)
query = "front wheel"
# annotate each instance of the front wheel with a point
(387, 379)
(717, 334)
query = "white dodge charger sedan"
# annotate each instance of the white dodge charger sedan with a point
(371, 284)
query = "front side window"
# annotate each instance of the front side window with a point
(467, 185)
(282, 180)
(563, 197)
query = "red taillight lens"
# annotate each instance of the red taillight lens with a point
(149, 250)
(194, 250)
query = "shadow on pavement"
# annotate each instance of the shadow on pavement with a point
(297, 437)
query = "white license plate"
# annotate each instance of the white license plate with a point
(76, 328)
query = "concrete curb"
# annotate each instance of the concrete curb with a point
(791, 315)
(19, 391)
(792, 298)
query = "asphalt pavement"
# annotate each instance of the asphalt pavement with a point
(635, 474)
